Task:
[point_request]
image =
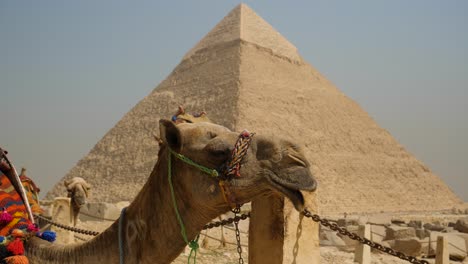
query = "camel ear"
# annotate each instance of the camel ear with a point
(170, 134)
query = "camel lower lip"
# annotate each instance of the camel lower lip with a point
(295, 196)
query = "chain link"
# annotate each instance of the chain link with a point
(95, 233)
(362, 240)
(227, 221)
(236, 211)
(69, 228)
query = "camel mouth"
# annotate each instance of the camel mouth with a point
(293, 184)
(294, 195)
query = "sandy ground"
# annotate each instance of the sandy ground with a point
(213, 252)
(329, 255)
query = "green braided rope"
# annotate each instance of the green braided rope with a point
(194, 243)
(211, 172)
(193, 248)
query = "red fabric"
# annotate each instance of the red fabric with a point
(16, 247)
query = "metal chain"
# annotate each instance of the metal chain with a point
(69, 228)
(95, 233)
(227, 221)
(362, 240)
(236, 224)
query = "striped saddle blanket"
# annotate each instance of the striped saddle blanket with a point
(11, 202)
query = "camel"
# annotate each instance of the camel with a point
(77, 189)
(151, 233)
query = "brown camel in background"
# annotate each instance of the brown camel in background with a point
(78, 190)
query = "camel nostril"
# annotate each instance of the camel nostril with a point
(297, 160)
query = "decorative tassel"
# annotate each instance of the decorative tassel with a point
(48, 235)
(16, 260)
(5, 217)
(2, 240)
(17, 233)
(33, 228)
(16, 247)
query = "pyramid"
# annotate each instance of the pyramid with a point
(245, 74)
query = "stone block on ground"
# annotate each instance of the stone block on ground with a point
(465, 237)
(434, 227)
(330, 238)
(409, 246)
(399, 232)
(386, 243)
(100, 212)
(422, 233)
(378, 233)
(462, 225)
(350, 243)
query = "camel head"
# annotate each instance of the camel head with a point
(77, 189)
(270, 165)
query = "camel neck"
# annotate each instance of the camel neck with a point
(100, 249)
(151, 232)
(160, 236)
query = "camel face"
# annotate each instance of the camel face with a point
(285, 168)
(270, 164)
(77, 189)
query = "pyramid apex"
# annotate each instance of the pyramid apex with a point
(242, 6)
(242, 23)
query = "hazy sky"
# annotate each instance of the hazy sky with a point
(69, 70)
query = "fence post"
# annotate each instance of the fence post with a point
(61, 213)
(278, 234)
(442, 253)
(362, 254)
